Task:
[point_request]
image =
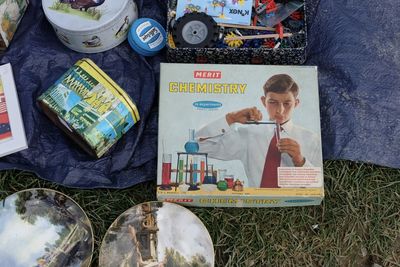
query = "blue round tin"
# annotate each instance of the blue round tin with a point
(147, 37)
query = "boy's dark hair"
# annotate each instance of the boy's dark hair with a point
(281, 83)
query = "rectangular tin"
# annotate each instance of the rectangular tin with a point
(90, 107)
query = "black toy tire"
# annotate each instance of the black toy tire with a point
(195, 30)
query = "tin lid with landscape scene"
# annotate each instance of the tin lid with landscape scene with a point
(83, 15)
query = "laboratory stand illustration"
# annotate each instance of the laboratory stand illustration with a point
(192, 171)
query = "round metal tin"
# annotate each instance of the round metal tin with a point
(42, 227)
(157, 234)
(90, 26)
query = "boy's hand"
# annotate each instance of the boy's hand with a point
(241, 116)
(290, 146)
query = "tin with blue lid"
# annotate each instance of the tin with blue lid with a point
(147, 37)
(91, 26)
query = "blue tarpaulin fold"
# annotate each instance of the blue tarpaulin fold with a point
(355, 44)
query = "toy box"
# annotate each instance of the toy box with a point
(89, 107)
(230, 139)
(283, 25)
(11, 13)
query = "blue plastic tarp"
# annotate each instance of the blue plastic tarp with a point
(356, 46)
(354, 43)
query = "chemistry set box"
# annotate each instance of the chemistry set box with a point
(197, 166)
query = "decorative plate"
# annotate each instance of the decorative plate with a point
(44, 228)
(157, 234)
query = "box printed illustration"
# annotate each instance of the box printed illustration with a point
(5, 127)
(223, 11)
(239, 135)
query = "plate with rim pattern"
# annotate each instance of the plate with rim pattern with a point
(44, 228)
(154, 234)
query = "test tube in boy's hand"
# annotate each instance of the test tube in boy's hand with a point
(278, 131)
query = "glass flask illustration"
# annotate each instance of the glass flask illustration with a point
(230, 178)
(191, 146)
(221, 174)
(210, 178)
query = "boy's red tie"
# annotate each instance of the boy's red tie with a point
(272, 162)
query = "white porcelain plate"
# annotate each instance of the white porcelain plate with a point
(157, 234)
(42, 227)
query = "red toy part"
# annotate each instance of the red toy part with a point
(267, 6)
(271, 6)
(270, 43)
(297, 15)
(279, 30)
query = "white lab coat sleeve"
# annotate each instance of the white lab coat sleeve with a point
(314, 153)
(220, 140)
(307, 164)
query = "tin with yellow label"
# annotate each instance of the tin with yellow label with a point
(90, 107)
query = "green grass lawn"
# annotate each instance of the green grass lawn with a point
(358, 223)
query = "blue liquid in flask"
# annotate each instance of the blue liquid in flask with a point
(191, 146)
